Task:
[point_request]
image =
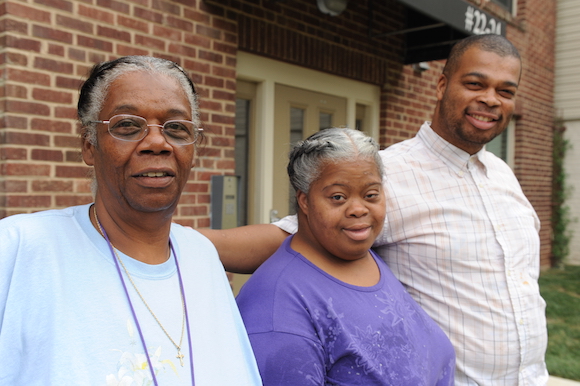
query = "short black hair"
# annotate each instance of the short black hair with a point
(488, 42)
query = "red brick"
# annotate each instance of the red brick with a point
(74, 23)
(13, 58)
(13, 186)
(146, 14)
(166, 6)
(10, 153)
(28, 201)
(67, 141)
(72, 171)
(208, 31)
(47, 155)
(114, 5)
(76, 54)
(61, 5)
(24, 138)
(210, 56)
(198, 41)
(71, 83)
(72, 200)
(96, 14)
(133, 23)
(203, 223)
(21, 169)
(199, 17)
(73, 156)
(13, 122)
(194, 210)
(27, 107)
(179, 24)
(98, 44)
(65, 112)
(113, 33)
(20, 43)
(130, 50)
(167, 33)
(224, 95)
(52, 34)
(56, 49)
(52, 96)
(53, 65)
(225, 48)
(23, 11)
(196, 187)
(52, 186)
(150, 42)
(50, 125)
(11, 25)
(15, 91)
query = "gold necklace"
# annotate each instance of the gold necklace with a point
(177, 346)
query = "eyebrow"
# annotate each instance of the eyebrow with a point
(134, 109)
(483, 76)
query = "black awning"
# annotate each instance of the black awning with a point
(433, 26)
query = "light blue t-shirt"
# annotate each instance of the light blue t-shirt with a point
(65, 319)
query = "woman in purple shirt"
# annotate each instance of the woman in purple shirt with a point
(324, 309)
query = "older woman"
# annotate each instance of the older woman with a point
(113, 293)
(324, 309)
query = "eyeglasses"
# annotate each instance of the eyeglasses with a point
(133, 128)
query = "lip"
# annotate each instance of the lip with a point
(358, 233)
(154, 178)
(482, 120)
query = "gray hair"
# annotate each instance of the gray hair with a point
(328, 145)
(94, 90)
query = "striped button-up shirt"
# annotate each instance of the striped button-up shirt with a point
(462, 237)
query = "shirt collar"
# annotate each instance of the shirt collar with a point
(456, 159)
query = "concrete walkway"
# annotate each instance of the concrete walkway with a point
(555, 381)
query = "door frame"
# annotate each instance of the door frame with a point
(266, 73)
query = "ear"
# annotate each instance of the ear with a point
(441, 86)
(302, 200)
(88, 152)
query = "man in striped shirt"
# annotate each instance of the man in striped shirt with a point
(459, 232)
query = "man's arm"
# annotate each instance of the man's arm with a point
(243, 249)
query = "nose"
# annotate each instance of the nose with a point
(154, 140)
(489, 97)
(357, 208)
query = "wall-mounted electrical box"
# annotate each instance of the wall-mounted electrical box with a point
(224, 202)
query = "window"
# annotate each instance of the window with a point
(508, 4)
(503, 145)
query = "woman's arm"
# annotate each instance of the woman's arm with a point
(243, 249)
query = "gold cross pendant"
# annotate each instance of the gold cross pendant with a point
(180, 356)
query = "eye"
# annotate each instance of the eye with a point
(125, 127)
(179, 129)
(337, 197)
(509, 94)
(473, 85)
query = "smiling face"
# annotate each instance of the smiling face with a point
(476, 101)
(147, 175)
(344, 210)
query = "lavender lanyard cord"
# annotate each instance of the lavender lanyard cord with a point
(130, 306)
(135, 316)
(186, 313)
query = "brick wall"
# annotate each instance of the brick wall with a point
(48, 46)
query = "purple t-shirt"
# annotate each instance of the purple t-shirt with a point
(309, 328)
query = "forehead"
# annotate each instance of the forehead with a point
(477, 61)
(136, 91)
(350, 170)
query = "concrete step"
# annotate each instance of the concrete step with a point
(555, 381)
